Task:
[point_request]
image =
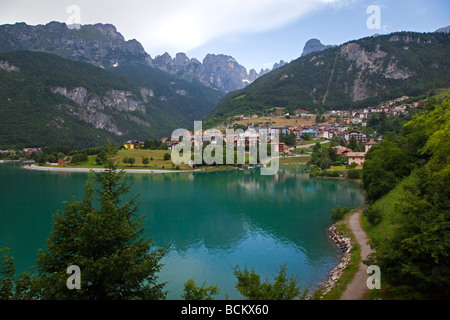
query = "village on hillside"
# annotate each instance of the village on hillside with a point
(342, 125)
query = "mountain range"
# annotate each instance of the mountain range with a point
(358, 73)
(221, 72)
(60, 85)
(47, 100)
(102, 45)
(98, 44)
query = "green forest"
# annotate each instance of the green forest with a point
(405, 179)
(34, 116)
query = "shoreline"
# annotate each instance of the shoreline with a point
(356, 288)
(345, 245)
(65, 169)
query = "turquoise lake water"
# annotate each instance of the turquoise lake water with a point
(213, 221)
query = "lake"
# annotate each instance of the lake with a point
(213, 221)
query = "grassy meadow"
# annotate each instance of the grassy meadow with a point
(156, 160)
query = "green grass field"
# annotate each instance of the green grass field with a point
(156, 158)
(306, 142)
(294, 160)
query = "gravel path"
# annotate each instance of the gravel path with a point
(357, 288)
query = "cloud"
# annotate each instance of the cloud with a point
(171, 25)
(189, 24)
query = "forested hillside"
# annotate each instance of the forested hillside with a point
(410, 231)
(46, 100)
(359, 73)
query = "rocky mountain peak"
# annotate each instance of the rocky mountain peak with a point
(218, 71)
(98, 44)
(444, 29)
(107, 30)
(102, 45)
(181, 59)
(279, 64)
(314, 45)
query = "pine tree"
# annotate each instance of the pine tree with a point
(104, 238)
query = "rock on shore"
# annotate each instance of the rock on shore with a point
(345, 245)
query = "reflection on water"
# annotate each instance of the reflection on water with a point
(213, 221)
(217, 220)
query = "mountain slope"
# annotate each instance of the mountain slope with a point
(358, 73)
(46, 100)
(98, 44)
(102, 45)
(221, 72)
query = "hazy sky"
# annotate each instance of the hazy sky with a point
(257, 33)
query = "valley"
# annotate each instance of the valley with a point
(361, 126)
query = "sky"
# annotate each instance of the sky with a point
(257, 33)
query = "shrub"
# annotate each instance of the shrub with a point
(354, 174)
(374, 215)
(338, 213)
(353, 165)
(333, 174)
(80, 157)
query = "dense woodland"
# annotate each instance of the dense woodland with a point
(414, 253)
(34, 116)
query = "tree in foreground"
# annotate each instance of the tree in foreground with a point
(284, 288)
(192, 291)
(12, 287)
(104, 238)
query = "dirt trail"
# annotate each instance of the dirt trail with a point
(357, 288)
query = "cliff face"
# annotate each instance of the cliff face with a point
(96, 111)
(221, 72)
(314, 45)
(98, 44)
(102, 45)
(49, 100)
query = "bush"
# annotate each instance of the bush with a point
(353, 165)
(374, 215)
(325, 173)
(354, 174)
(101, 158)
(333, 174)
(167, 156)
(338, 213)
(79, 158)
